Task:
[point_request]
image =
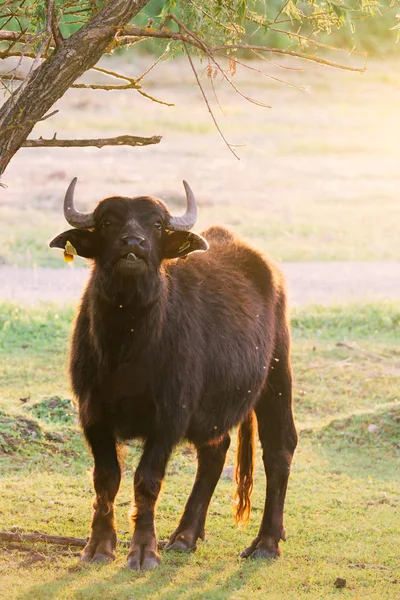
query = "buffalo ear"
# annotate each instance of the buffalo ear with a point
(181, 243)
(84, 242)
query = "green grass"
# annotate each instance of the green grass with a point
(343, 497)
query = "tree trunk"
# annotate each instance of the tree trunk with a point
(55, 75)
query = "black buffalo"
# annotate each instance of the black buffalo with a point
(178, 337)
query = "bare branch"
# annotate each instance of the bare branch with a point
(82, 86)
(54, 112)
(207, 103)
(121, 140)
(113, 74)
(277, 79)
(309, 40)
(316, 59)
(102, 86)
(13, 35)
(99, 86)
(159, 59)
(20, 53)
(55, 30)
(210, 74)
(281, 11)
(149, 97)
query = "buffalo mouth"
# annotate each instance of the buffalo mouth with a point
(131, 260)
(131, 257)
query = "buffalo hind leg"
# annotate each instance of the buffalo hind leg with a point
(147, 484)
(278, 440)
(211, 458)
(106, 479)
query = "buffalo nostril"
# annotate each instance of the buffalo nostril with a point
(133, 240)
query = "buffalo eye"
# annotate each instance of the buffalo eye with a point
(105, 224)
(158, 225)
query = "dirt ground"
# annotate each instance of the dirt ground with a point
(308, 283)
(317, 181)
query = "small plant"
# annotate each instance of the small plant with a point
(54, 410)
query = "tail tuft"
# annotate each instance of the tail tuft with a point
(245, 456)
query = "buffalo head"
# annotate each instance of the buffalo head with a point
(129, 236)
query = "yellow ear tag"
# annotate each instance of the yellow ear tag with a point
(184, 246)
(69, 252)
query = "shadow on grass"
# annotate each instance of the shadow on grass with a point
(173, 579)
(362, 445)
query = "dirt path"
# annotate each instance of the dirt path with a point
(318, 283)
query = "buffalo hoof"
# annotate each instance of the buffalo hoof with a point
(180, 546)
(99, 552)
(98, 558)
(143, 561)
(266, 550)
(181, 542)
(263, 553)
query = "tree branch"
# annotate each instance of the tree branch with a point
(6, 36)
(121, 140)
(132, 85)
(191, 39)
(66, 60)
(207, 103)
(309, 57)
(163, 34)
(55, 30)
(57, 73)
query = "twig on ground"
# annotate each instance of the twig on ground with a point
(357, 348)
(59, 540)
(337, 363)
(24, 548)
(364, 566)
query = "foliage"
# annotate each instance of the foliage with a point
(281, 23)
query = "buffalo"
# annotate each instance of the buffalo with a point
(179, 337)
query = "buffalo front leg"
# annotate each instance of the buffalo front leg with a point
(211, 458)
(278, 440)
(147, 484)
(106, 479)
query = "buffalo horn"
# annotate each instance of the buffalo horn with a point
(187, 220)
(73, 216)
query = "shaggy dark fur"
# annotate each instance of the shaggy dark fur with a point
(168, 349)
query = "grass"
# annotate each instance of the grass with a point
(323, 229)
(317, 180)
(343, 498)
